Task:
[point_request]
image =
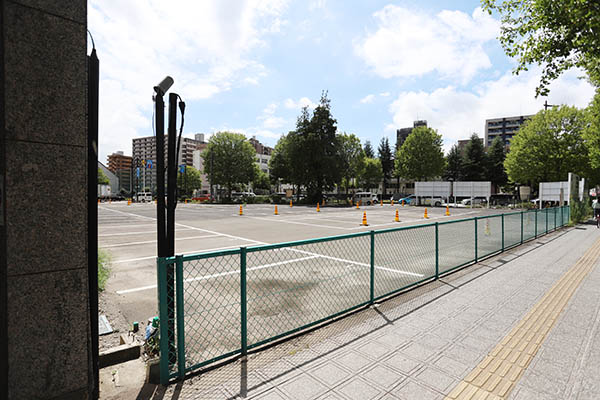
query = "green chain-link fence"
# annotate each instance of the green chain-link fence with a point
(223, 303)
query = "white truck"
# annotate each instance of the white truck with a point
(104, 192)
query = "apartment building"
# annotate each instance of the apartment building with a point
(505, 128)
(263, 154)
(120, 165)
(402, 133)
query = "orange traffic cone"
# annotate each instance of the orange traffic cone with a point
(397, 219)
(276, 213)
(98, 201)
(185, 201)
(447, 211)
(357, 204)
(318, 209)
(392, 202)
(381, 202)
(128, 202)
(291, 203)
(402, 203)
(425, 215)
(364, 220)
(241, 210)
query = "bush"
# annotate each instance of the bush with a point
(580, 211)
(103, 268)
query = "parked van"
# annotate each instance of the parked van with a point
(367, 198)
(143, 197)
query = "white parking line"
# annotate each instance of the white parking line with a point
(185, 254)
(138, 233)
(154, 241)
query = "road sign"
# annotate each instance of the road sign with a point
(182, 168)
(149, 164)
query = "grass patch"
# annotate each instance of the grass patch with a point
(103, 268)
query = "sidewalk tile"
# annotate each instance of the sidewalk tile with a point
(437, 380)
(418, 351)
(414, 391)
(302, 387)
(352, 360)
(329, 373)
(272, 394)
(383, 376)
(452, 367)
(358, 389)
(402, 363)
(373, 349)
(392, 340)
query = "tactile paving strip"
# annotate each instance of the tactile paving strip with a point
(499, 372)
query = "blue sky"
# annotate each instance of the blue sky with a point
(249, 66)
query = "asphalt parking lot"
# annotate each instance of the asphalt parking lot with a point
(128, 232)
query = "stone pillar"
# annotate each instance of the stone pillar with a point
(44, 317)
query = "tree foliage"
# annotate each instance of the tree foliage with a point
(549, 146)
(372, 173)
(495, 168)
(556, 34)
(387, 161)
(352, 158)
(229, 159)
(474, 161)
(189, 181)
(369, 152)
(102, 178)
(453, 164)
(261, 179)
(591, 133)
(421, 157)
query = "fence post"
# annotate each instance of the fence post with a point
(535, 232)
(562, 216)
(521, 227)
(180, 321)
(475, 219)
(243, 305)
(502, 232)
(437, 252)
(372, 278)
(546, 220)
(554, 212)
(163, 320)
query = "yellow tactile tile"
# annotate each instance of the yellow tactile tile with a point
(499, 372)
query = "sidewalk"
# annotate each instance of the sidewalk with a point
(439, 340)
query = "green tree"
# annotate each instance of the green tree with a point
(280, 165)
(102, 178)
(188, 181)
(232, 160)
(369, 152)
(556, 34)
(495, 169)
(372, 173)
(474, 160)
(549, 146)
(261, 180)
(387, 161)
(421, 157)
(352, 158)
(453, 164)
(313, 150)
(591, 133)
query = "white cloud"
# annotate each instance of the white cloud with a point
(207, 47)
(457, 113)
(413, 43)
(367, 99)
(270, 109)
(385, 94)
(274, 122)
(303, 102)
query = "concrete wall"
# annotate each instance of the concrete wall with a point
(43, 252)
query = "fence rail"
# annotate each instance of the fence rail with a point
(223, 303)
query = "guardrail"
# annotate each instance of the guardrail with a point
(223, 303)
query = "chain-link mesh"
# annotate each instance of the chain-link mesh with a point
(211, 307)
(456, 244)
(489, 235)
(529, 224)
(403, 257)
(512, 229)
(293, 286)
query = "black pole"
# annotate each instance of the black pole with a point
(92, 206)
(171, 173)
(160, 176)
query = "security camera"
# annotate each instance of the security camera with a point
(164, 86)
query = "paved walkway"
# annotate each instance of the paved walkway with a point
(522, 325)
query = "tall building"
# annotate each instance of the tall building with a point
(505, 128)
(462, 144)
(144, 158)
(120, 165)
(402, 133)
(263, 154)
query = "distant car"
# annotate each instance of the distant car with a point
(407, 199)
(432, 201)
(476, 201)
(367, 198)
